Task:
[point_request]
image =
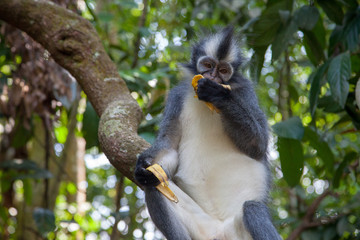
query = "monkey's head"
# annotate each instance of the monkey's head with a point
(216, 57)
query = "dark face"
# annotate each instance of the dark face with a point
(217, 71)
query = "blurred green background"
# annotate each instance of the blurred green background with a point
(303, 56)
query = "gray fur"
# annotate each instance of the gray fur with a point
(244, 123)
(164, 217)
(257, 221)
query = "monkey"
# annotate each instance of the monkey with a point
(217, 163)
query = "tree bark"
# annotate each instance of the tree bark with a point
(74, 44)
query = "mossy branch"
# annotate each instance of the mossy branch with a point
(74, 44)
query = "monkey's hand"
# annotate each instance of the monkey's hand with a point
(210, 91)
(143, 176)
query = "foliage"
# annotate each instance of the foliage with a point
(303, 55)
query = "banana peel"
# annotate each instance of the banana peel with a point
(163, 187)
(194, 83)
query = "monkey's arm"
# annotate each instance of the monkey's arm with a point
(243, 120)
(164, 150)
(257, 221)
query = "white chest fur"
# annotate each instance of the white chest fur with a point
(211, 169)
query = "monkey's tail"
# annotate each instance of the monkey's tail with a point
(164, 216)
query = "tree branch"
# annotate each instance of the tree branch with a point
(307, 221)
(138, 37)
(74, 44)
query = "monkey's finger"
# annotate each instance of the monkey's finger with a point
(195, 80)
(159, 172)
(166, 191)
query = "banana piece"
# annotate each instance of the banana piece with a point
(160, 174)
(194, 83)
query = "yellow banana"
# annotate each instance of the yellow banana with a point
(194, 83)
(160, 174)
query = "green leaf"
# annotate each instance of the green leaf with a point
(343, 226)
(265, 28)
(322, 148)
(44, 220)
(355, 63)
(338, 74)
(329, 105)
(105, 16)
(333, 10)
(71, 188)
(28, 191)
(3, 213)
(21, 135)
(316, 79)
(352, 32)
(314, 43)
(32, 170)
(306, 17)
(335, 38)
(282, 39)
(90, 126)
(257, 62)
(291, 128)
(339, 171)
(61, 133)
(291, 159)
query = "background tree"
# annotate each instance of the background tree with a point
(303, 55)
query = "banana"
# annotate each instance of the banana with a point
(160, 174)
(194, 83)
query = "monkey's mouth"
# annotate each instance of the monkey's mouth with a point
(214, 79)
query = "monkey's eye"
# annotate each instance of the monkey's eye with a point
(223, 71)
(207, 65)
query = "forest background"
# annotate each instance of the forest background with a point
(55, 181)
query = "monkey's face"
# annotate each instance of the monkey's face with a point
(217, 71)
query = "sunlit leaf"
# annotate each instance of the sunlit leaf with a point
(61, 133)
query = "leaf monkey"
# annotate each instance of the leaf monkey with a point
(217, 163)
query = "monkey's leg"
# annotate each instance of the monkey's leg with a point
(184, 220)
